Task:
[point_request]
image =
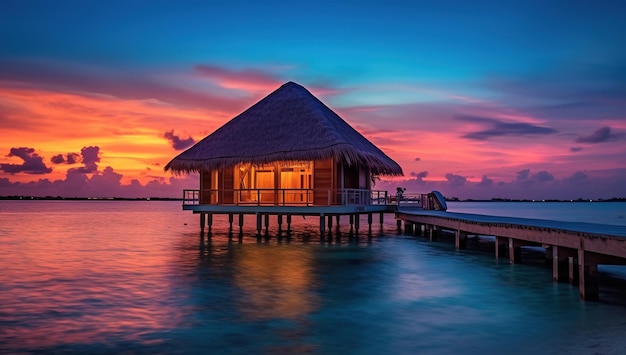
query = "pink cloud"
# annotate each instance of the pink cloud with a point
(249, 80)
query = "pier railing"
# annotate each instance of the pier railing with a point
(286, 197)
(411, 200)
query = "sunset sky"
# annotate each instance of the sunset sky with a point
(477, 99)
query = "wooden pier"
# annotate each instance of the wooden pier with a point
(575, 248)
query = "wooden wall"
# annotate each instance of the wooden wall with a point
(322, 180)
(205, 186)
(227, 185)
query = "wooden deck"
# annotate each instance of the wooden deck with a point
(576, 249)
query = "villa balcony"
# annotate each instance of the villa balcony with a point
(286, 197)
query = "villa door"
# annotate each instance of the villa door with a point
(265, 184)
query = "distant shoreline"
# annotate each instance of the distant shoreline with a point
(59, 198)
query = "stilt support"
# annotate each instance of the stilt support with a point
(259, 225)
(573, 270)
(330, 225)
(240, 223)
(351, 223)
(460, 239)
(560, 263)
(515, 251)
(322, 227)
(432, 233)
(587, 276)
(202, 221)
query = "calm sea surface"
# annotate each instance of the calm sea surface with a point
(133, 277)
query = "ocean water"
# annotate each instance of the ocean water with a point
(134, 277)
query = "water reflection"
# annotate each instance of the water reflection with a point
(276, 281)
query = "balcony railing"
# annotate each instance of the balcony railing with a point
(286, 197)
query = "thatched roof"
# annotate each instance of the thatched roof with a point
(290, 124)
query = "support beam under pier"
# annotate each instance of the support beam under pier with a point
(460, 239)
(587, 276)
(560, 262)
(515, 251)
(202, 221)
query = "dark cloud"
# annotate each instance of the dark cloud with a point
(543, 176)
(522, 175)
(33, 163)
(575, 149)
(101, 184)
(90, 158)
(598, 184)
(485, 182)
(456, 180)
(178, 143)
(601, 135)
(419, 175)
(499, 128)
(577, 177)
(72, 158)
(58, 159)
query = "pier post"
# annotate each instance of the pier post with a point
(587, 276)
(230, 223)
(432, 233)
(209, 217)
(356, 223)
(288, 224)
(381, 218)
(560, 264)
(240, 224)
(259, 225)
(399, 224)
(369, 223)
(267, 224)
(497, 247)
(573, 270)
(460, 239)
(515, 251)
(330, 225)
(280, 223)
(322, 227)
(351, 222)
(338, 219)
(202, 222)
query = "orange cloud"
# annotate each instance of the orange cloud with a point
(128, 132)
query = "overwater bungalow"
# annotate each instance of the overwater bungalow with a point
(287, 154)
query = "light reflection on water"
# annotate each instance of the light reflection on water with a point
(103, 277)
